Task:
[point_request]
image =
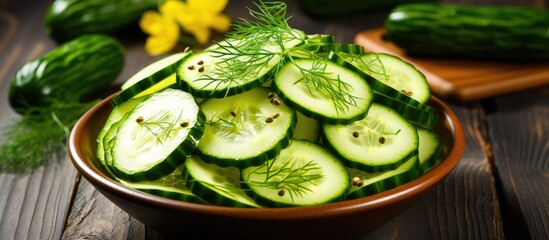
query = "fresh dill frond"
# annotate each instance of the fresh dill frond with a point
(293, 176)
(39, 135)
(330, 86)
(160, 125)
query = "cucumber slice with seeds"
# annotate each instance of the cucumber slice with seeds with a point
(322, 90)
(216, 185)
(152, 78)
(355, 63)
(303, 174)
(203, 74)
(245, 129)
(116, 114)
(396, 73)
(382, 141)
(365, 184)
(157, 135)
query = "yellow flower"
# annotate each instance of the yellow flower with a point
(194, 16)
(199, 16)
(163, 31)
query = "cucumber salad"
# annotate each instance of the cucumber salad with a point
(271, 117)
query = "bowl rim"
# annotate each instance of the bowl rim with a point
(388, 197)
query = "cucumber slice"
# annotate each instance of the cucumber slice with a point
(355, 63)
(156, 76)
(429, 148)
(170, 186)
(157, 135)
(204, 73)
(216, 185)
(415, 115)
(396, 73)
(382, 141)
(114, 117)
(200, 75)
(246, 129)
(321, 38)
(304, 174)
(322, 90)
(364, 183)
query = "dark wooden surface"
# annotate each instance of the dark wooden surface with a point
(499, 190)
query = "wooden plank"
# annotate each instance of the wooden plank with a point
(519, 132)
(34, 206)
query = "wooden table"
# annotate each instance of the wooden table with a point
(499, 190)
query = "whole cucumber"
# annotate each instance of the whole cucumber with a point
(67, 19)
(508, 33)
(73, 71)
(329, 8)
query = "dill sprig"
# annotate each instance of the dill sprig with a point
(160, 125)
(292, 176)
(39, 135)
(261, 43)
(319, 81)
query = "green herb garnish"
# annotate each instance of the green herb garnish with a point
(254, 46)
(39, 135)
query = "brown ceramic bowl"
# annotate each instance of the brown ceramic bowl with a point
(338, 220)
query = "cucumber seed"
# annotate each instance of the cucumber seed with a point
(187, 49)
(271, 95)
(201, 69)
(190, 67)
(381, 140)
(233, 114)
(276, 115)
(139, 119)
(355, 134)
(200, 62)
(355, 180)
(281, 192)
(359, 183)
(269, 120)
(184, 124)
(275, 101)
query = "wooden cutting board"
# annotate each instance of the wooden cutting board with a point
(464, 80)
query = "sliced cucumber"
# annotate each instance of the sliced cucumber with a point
(321, 38)
(303, 174)
(203, 74)
(396, 73)
(216, 185)
(429, 148)
(114, 117)
(382, 141)
(322, 90)
(155, 76)
(413, 114)
(170, 186)
(157, 135)
(245, 129)
(364, 183)
(355, 63)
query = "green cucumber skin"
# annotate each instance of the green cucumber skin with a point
(67, 19)
(494, 32)
(415, 115)
(75, 70)
(326, 8)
